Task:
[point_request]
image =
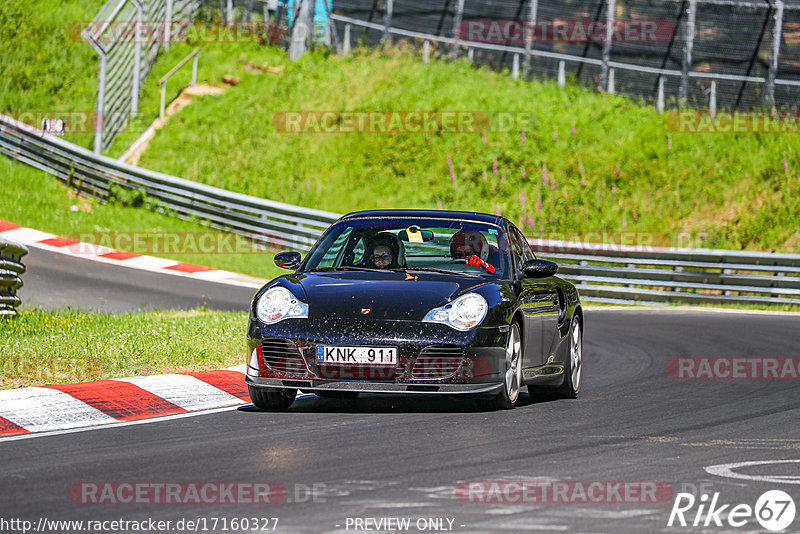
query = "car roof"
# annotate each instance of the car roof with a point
(430, 214)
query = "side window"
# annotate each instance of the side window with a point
(516, 250)
(527, 252)
(358, 252)
(333, 253)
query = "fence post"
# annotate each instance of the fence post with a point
(611, 88)
(168, 25)
(426, 51)
(249, 14)
(610, 17)
(471, 54)
(777, 31)
(529, 30)
(660, 97)
(456, 24)
(688, 44)
(712, 100)
(194, 69)
(387, 22)
(163, 107)
(229, 15)
(346, 45)
(101, 102)
(137, 57)
(515, 67)
(562, 74)
(300, 29)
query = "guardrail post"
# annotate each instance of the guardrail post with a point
(471, 54)
(611, 88)
(562, 74)
(515, 67)
(387, 22)
(777, 31)
(660, 97)
(426, 51)
(610, 18)
(456, 29)
(529, 30)
(688, 44)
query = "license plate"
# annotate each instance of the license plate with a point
(357, 355)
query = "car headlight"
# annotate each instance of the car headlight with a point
(279, 303)
(464, 313)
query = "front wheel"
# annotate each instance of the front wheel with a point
(512, 377)
(272, 399)
(574, 365)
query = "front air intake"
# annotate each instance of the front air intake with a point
(283, 356)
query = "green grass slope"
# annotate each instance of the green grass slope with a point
(621, 172)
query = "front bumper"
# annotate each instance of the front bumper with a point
(432, 358)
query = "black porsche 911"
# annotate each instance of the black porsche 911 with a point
(415, 302)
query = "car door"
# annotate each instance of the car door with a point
(540, 305)
(547, 300)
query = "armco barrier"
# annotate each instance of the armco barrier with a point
(11, 269)
(605, 273)
(264, 221)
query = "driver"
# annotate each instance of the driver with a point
(382, 256)
(472, 247)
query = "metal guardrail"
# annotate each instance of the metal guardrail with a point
(651, 275)
(603, 273)
(264, 221)
(11, 269)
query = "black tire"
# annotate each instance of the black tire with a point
(336, 394)
(506, 400)
(272, 399)
(570, 388)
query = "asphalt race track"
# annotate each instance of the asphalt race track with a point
(54, 280)
(379, 457)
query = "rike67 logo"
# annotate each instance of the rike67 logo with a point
(774, 510)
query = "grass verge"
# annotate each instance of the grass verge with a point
(62, 346)
(36, 199)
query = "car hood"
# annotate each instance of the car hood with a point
(381, 295)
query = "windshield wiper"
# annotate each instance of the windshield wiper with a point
(344, 268)
(434, 270)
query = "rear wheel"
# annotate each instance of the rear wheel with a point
(512, 377)
(272, 399)
(574, 365)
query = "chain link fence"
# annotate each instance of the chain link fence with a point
(726, 54)
(127, 36)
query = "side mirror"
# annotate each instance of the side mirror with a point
(539, 268)
(289, 260)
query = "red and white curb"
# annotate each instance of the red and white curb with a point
(78, 249)
(103, 402)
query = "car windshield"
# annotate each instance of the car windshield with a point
(436, 245)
